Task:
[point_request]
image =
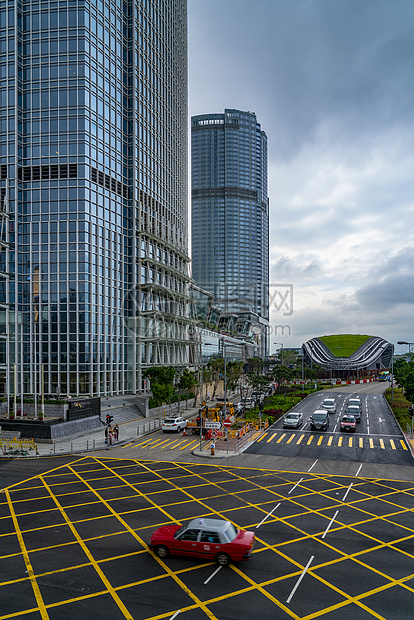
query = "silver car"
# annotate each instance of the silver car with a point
(293, 420)
(173, 425)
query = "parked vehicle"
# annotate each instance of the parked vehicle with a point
(293, 420)
(319, 420)
(354, 411)
(348, 424)
(205, 539)
(329, 404)
(173, 425)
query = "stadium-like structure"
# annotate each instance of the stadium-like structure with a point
(347, 355)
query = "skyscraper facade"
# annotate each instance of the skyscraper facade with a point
(93, 162)
(230, 212)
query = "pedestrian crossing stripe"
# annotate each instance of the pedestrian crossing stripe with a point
(341, 441)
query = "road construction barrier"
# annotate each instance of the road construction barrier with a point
(16, 446)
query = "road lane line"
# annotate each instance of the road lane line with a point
(187, 445)
(177, 444)
(330, 440)
(313, 465)
(26, 558)
(271, 512)
(291, 437)
(177, 612)
(382, 444)
(330, 523)
(350, 442)
(359, 469)
(310, 440)
(299, 440)
(262, 437)
(212, 575)
(348, 489)
(281, 437)
(160, 444)
(340, 441)
(361, 442)
(371, 442)
(299, 481)
(300, 579)
(320, 440)
(403, 444)
(271, 437)
(392, 444)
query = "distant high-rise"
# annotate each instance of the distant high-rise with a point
(93, 170)
(230, 212)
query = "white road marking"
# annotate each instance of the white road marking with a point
(348, 489)
(359, 469)
(271, 512)
(211, 576)
(295, 486)
(176, 613)
(313, 465)
(300, 579)
(329, 525)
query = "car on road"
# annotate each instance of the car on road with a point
(329, 404)
(204, 539)
(348, 423)
(247, 403)
(354, 402)
(173, 425)
(293, 420)
(319, 420)
(354, 411)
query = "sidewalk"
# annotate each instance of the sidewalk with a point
(130, 427)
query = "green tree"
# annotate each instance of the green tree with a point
(162, 383)
(186, 382)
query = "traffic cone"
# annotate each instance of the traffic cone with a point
(184, 433)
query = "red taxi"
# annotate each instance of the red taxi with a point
(205, 539)
(348, 423)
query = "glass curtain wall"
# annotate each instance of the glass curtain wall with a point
(93, 143)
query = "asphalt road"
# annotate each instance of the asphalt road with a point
(377, 439)
(73, 543)
(335, 538)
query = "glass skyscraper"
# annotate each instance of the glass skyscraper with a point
(93, 169)
(230, 212)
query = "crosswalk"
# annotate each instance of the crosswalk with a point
(152, 442)
(334, 440)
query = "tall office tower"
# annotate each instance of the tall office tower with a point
(230, 213)
(93, 121)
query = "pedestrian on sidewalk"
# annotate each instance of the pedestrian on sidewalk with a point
(106, 434)
(116, 432)
(110, 435)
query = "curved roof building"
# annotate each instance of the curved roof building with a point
(347, 352)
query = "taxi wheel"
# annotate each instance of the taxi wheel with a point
(223, 559)
(162, 551)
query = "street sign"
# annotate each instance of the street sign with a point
(227, 423)
(210, 424)
(213, 434)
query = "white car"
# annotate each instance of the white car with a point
(329, 404)
(292, 420)
(173, 425)
(355, 402)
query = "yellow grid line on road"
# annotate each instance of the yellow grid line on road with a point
(26, 558)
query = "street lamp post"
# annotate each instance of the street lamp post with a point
(281, 347)
(410, 350)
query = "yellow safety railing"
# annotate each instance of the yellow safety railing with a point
(17, 446)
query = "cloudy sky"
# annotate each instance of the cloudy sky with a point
(332, 85)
